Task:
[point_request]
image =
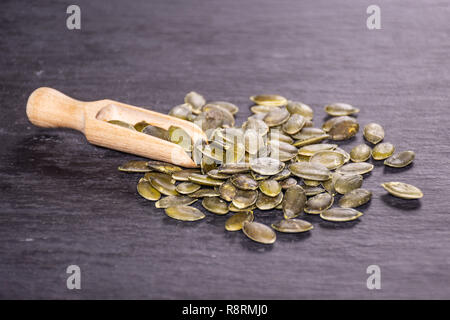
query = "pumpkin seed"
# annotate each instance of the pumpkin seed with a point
(232, 168)
(330, 159)
(270, 187)
(360, 153)
(265, 202)
(219, 113)
(230, 107)
(295, 107)
(163, 167)
(294, 124)
(311, 149)
(187, 187)
(328, 185)
(163, 176)
(373, 133)
(355, 168)
(341, 128)
(355, 198)
(348, 182)
(310, 171)
(171, 201)
(204, 180)
(340, 109)
(163, 186)
(215, 205)
(383, 151)
(146, 190)
(141, 125)
(309, 141)
(244, 198)
(207, 165)
(307, 133)
(121, 123)
(227, 191)
(319, 203)
(215, 174)
(258, 125)
(270, 100)
(233, 208)
(184, 213)
(400, 160)
(260, 109)
(312, 190)
(402, 190)
(182, 111)
(253, 141)
(236, 221)
(311, 183)
(196, 100)
(344, 153)
(292, 226)
(180, 137)
(277, 117)
(157, 132)
(244, 181)
(294, 202)
(204, 192)
(285, 173)
(183, 175)
(286, 183)
(135, 166)
(302, 158)
(340, 214)
(259, 232)
(267, 166)
(276, 135)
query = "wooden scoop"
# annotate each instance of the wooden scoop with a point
(50, 108)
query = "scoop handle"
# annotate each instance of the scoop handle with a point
(49, 108)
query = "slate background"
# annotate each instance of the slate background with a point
(63, 202)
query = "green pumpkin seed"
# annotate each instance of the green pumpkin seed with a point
(267, 166)
(311, 149)
(308, 133)
(258, 125)
(302, 158)
(244, 198)
(230, 107)
(383, 151)
(319, 203)
(292, 226)
(227, 119)
(215, 205)
(270, 100)
(163, 176)
(295, 107)
(163, 186)
(227, 191)
(373, 133)
(157, 132)
(121, 123)
(310, 171)
(348, 182)
(294, 202)
(236, 221)
(344, 153)
(233, 208)
(232, 168)
(163, 167)
(204, 180)
(183, 175)
(402, 190)
(260, 109)
(259, 232)
(312, 190)
(146, 190)
(285, 173)
(265, 202)
(253, 141)
(328, 185)
(330, 159)
(204, 193)
(340, 109)
(184, 213)
(135, 166)
(309, 141)
(277, 117)
(276, 135)
(311, 183)
(244, 181)
(187, 187)
(400, 160)
(171, 201)
(270, 187)
(141, 125)
(294, 124)
(355, 198)
(360, 153)
(180, 137)
(196, 101)
(286, 183)
(215, 174)
(340, 214)
(355, 168)
(341, 128)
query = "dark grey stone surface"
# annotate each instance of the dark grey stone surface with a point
(63, 202)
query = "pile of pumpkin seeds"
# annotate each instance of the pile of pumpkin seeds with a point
(277, 160)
